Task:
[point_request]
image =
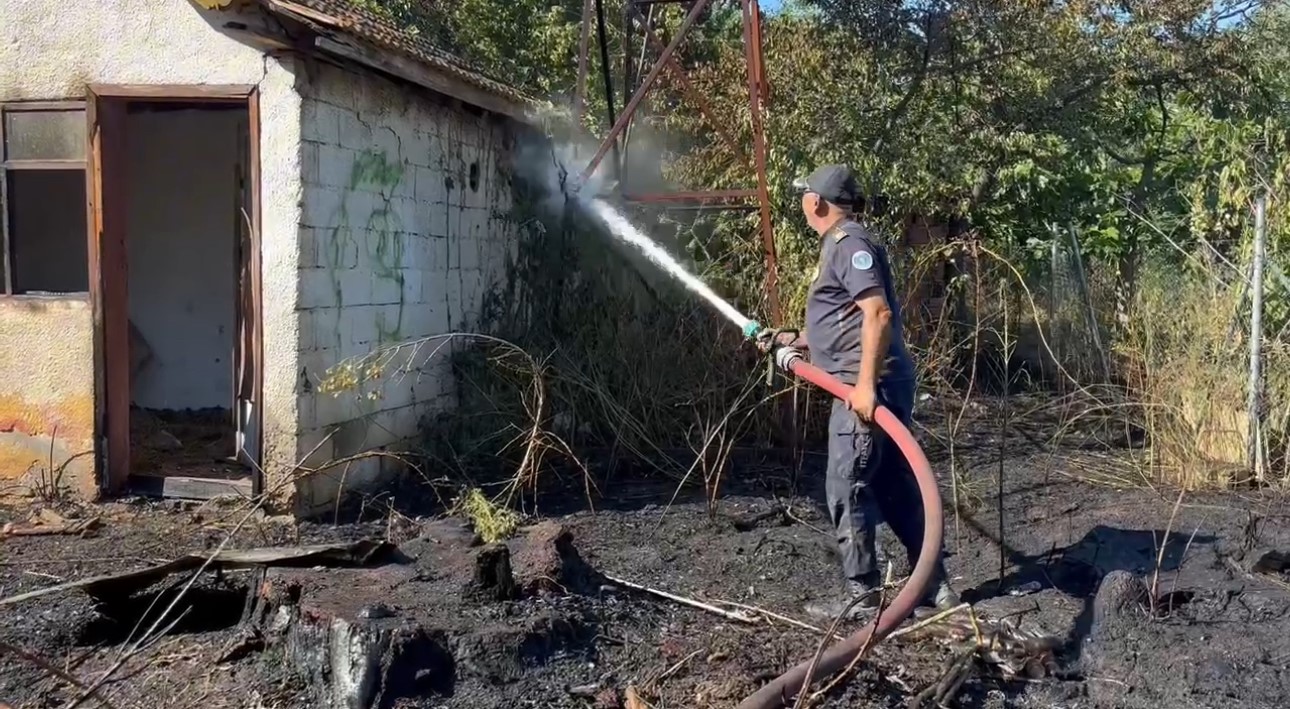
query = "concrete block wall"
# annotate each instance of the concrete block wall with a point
(404, 229)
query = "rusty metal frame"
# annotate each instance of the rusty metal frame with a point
(758, 95)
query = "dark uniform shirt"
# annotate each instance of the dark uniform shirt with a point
(851, 262)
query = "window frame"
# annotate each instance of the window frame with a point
(7, 165)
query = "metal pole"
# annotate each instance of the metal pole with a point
(621, 124)
(584, 44)
(603, 35)
(756, 87)
(1093, 328)
(1255, 450)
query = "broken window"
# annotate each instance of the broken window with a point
(43, 245)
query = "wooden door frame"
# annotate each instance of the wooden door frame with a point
(106, 105)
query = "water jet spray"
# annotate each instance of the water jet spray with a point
(781, 690)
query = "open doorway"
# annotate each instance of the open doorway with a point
(179, 309)
(181, 262)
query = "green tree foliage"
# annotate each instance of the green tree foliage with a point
(1144, 123)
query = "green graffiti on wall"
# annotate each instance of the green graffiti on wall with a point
(382, 241)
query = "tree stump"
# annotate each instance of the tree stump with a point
(548, 562)
(450, 610)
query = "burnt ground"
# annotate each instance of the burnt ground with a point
(1215, 635)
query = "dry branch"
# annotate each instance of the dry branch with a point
(47, 666)
(833, 628)
(48, 522)
(741, 617)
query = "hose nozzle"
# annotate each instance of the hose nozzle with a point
(754, 331)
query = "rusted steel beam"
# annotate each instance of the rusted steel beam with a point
(691, 92)
(704, 196)
(621, 124)
(763, 88)
(752, 51)
(758, 95)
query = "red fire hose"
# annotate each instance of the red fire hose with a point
(780, 691)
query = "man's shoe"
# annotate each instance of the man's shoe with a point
(866, 598)
(942, 596)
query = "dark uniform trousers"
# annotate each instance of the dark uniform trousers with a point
(867, 476)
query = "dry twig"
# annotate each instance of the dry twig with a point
(741, 617)
(833, 628)
(864, 650)
(52, 669)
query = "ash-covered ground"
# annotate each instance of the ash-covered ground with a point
(542, 624)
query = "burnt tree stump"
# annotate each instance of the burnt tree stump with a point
(450, 610)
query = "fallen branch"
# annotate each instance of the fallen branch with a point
(741, 617)
(49, 667)
(772, 615)
(930, 621)
(944, 689)
(48, 522)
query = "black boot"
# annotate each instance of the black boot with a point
(827, 610)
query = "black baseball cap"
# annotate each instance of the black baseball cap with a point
(833, 183)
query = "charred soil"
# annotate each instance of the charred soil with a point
(539, 620)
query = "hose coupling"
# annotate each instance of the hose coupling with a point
(786, 357)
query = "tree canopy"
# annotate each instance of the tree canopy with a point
(1143, 123)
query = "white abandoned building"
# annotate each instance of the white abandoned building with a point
(272, 186)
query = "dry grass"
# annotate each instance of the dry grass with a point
(620, 363)
(1185, 359)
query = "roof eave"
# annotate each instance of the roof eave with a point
(425, 75)
(334, 38)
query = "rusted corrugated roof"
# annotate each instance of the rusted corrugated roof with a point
(351, 18)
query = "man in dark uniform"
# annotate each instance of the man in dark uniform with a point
(854, 332)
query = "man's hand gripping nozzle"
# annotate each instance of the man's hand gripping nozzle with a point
(768, 340)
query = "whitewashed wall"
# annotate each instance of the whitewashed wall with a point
(51, 51)
(403, 231)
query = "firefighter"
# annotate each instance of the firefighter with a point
(854, 332)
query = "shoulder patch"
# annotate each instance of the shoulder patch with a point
(862, 260)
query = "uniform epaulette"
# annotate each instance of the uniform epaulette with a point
(838, 234)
